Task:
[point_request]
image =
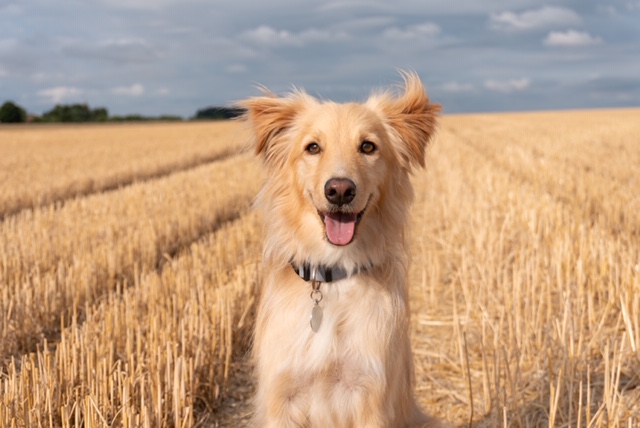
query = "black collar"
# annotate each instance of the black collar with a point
(323, 273)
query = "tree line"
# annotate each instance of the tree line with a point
(10, 112)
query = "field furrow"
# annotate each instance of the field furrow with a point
(593, 171)
(543, 305)
(55, 261)
(524, 285)
(44, 165)
(161, 352)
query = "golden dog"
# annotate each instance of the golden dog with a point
(331, 341)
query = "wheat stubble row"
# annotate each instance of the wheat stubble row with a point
(158, 352)
(41, 165)
(525, 287)
(541, 295)
(54, 260)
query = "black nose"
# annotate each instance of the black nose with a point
(340, 191)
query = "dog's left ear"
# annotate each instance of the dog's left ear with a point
(412, 119)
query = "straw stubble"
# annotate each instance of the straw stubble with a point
(132, 305)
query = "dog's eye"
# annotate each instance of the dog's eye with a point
(312, 148)
(367, 147)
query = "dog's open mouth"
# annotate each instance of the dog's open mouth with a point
(340, 226)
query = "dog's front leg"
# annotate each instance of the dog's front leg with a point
(281, 402)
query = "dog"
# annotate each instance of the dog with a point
(331, 341)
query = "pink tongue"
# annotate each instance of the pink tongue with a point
(340, 227)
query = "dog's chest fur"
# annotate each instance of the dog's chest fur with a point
(354, 309)
(346, 359)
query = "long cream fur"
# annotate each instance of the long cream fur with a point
(357, 370)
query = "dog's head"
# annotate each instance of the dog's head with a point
(338, 174)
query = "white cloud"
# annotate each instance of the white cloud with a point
(269, 37)
(134, 90)
(457, 88)
(59, 93)
(545, 17)
(507, 86)
(163, 91)
(412, 32)
(571, 38)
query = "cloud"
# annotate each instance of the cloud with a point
(228, 49)
(8, 45)
(59, 93)
(341, 4)
(356, 25)
(123, 50)
(507, 86)
(314, 35)
(10, 9)
(267, 36)
(457, 88)
(612, 88)
(545, 17)
(154, 5)
(134, 90)
(236, 68)
(633, 5)
(19, 58)
(208, 54)
(413, 32)
(571, 38)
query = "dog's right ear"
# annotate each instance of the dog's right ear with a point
(269, 117)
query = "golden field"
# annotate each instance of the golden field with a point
(130, 263)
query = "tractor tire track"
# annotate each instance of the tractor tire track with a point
(105, 240)
(590, 209)
(57, 197)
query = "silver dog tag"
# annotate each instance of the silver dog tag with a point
(316, 296)
(316, 318)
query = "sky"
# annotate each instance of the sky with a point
(155, 57)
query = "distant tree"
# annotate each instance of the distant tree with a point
(170, 118)
(129, 118)
(99, 115)
(75, 113)
(140, 118)
(83, 113)
(218, 113)
(12, 113)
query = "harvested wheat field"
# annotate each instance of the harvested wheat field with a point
(130, 264)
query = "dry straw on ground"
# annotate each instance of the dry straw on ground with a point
(130, 303)
(47, 164)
